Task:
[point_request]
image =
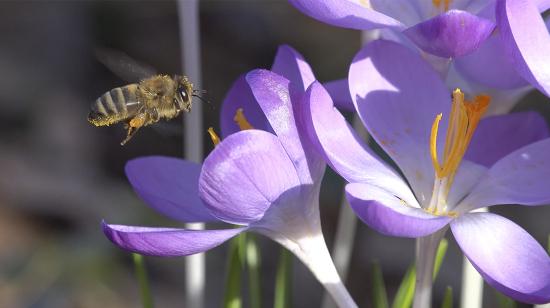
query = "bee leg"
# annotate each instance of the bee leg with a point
(154, 115)
(133, 126)
(131, 132)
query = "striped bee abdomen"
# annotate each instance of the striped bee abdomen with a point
(114, 106)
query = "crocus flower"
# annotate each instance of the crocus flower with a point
(444, 28)
(504, 161)
(506, 60)
(515, 56)
(266, 181)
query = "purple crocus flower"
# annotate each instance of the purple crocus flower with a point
(515, 56)
(504, 161)
(505, 60)
(444, 28)
(265, 180)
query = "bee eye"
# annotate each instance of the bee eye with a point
(183, 94)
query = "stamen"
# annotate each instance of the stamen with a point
(438, 3)
(463, 121)
(433, 144)
(241, 120)
(213, 136)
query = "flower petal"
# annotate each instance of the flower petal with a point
(343, 149)
(451, 34)
(507, 257)
(170, 186)
(498, 136)
(526, 39)
(502, 100)
(244, 175)
(390, 215)
(542, 5)
(519, 178)
(407, 12)
(345, 13)
(240, 96)
(398, 104)
(467, 176)
(489, 65)
(291, 65)
(166, 242)
(339, 92)
(273, 94)
(411, 12)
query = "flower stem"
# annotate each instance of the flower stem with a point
(426, 250)
(188, 13)
(314, 253)
(141, 273)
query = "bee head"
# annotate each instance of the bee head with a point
(184, 91)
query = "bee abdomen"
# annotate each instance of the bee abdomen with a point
(114, 106)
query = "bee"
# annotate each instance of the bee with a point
(140, 104)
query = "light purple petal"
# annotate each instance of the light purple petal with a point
(279, 103)
(467, 177)
(166, 242)
(490, 65)
(240, 96)
(408, 12)
(452, 34)
(244, 175)
(498, 136)
(411, 12)
(291, 65)
(390, 215)
(339, 91)
(343, 149)
(398, 104)
(519, 178)
(502, 100)
(345, 13)
(542, 5)
(526, 39)
(507, 257)
(170, 186)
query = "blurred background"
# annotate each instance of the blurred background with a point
(59, 176)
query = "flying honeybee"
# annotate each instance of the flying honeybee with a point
(140, 104)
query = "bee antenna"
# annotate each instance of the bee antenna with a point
(199, 91)
(201, 98)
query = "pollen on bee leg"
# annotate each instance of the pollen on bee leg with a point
(137, 121)
(241, 120)
(215, 138)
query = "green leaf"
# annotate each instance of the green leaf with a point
(232, 297)
(440, 255)
(504, 301)
(141, 273)
(405, 293)
(283, 280)
(379, 296)
(448, 298)
(253, 258)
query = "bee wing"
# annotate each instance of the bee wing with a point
(123, 65)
